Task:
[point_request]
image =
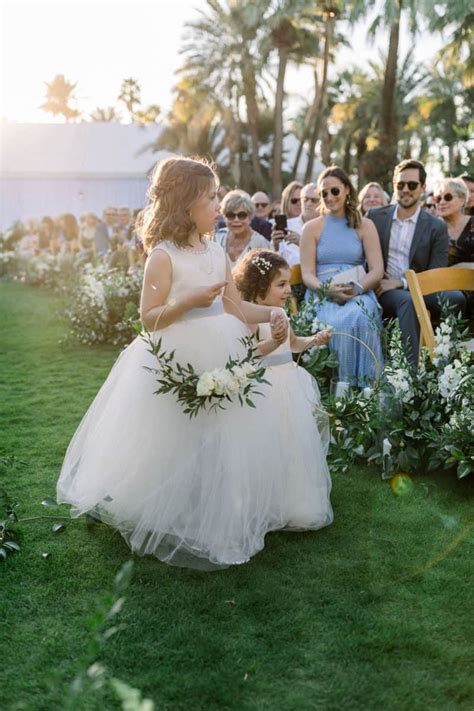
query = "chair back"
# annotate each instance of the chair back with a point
(429, 282)
(295, 278)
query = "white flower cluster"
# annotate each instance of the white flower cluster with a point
(401, 382)
(443, 340)
(450, 379)
(222, 381)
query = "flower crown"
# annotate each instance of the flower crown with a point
(263, 265)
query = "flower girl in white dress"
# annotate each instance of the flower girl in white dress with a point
(199, 492)
(263, 277)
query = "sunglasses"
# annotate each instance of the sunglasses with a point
(313, 200)
(430, 205)
(239, 215)
(333, 191)
(261, 204)
(294, 201)
(411, 184)
(447, 197)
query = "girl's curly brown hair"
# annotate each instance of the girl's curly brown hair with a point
(176, 184)
(255, 272)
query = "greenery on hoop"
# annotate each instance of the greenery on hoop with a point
(212, 389)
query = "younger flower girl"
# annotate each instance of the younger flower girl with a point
(263, 277)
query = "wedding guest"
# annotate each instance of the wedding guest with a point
(286, 242)
(237, 237)
(263, 207)
(410, 239)
(310, 202)
(29, 244)
(45, 232)
(87, 245)
(117, 257)
(451, 197)
(371, 195)
(469, 183)
(429, 204)
(105, 230)
(332, 244)
(290, 199)
(70, 231)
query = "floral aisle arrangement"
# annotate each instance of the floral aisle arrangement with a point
(414, 419)
(104, 305)
(210, 390)
(51, 271)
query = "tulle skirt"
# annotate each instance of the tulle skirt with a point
(201, 492)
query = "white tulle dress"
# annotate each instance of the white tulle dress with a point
(198, 493)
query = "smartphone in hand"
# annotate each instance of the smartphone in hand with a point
(281, 223)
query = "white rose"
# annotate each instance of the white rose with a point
(205, 385)
(225, 383)
(240, 375)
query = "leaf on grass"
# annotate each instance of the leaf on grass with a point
(45, 556)
(49, 502)
(58, 527)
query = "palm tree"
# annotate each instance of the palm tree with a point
(458, 19)
(59, 92)
(108, 114)
(389, 15)
(329, 12)
(130, 95)
(223, 48)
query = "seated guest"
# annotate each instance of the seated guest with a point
(237, 237)
(87, 245)
(105, 230)
(118, 258)
(450, 197)
(469, 183)
(290, 199)
(310, 200)
(410, 239)
(47, 230)
(260, 222)
(429, 204)
(337, 241)
(70, 231)
(372, 195)
(287, 243)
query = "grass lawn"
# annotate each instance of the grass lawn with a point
(373, 612)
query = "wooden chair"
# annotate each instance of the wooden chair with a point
(429, 282)
(295, 279)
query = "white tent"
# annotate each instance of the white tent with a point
(49, 169)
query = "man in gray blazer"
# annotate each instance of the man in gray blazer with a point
(410, 239)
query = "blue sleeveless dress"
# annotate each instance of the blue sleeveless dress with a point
(340, 248)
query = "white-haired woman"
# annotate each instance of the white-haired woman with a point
(372, 195)
(237, 237)
(451, 196)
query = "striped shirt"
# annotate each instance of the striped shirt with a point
(401, 237)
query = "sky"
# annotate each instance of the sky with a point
(98, 43)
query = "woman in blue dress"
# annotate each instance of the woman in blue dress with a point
(339, 240)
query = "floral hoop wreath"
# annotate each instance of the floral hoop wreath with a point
(377, 363)
(211, 390)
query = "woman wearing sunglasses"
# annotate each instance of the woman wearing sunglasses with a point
(291, 199)
(450, 198)
(338, 242)
(237, 237)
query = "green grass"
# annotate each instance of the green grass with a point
(371, 613)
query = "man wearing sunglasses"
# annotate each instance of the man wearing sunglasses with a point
(260, 221)
(411, 238)
(310, 201)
